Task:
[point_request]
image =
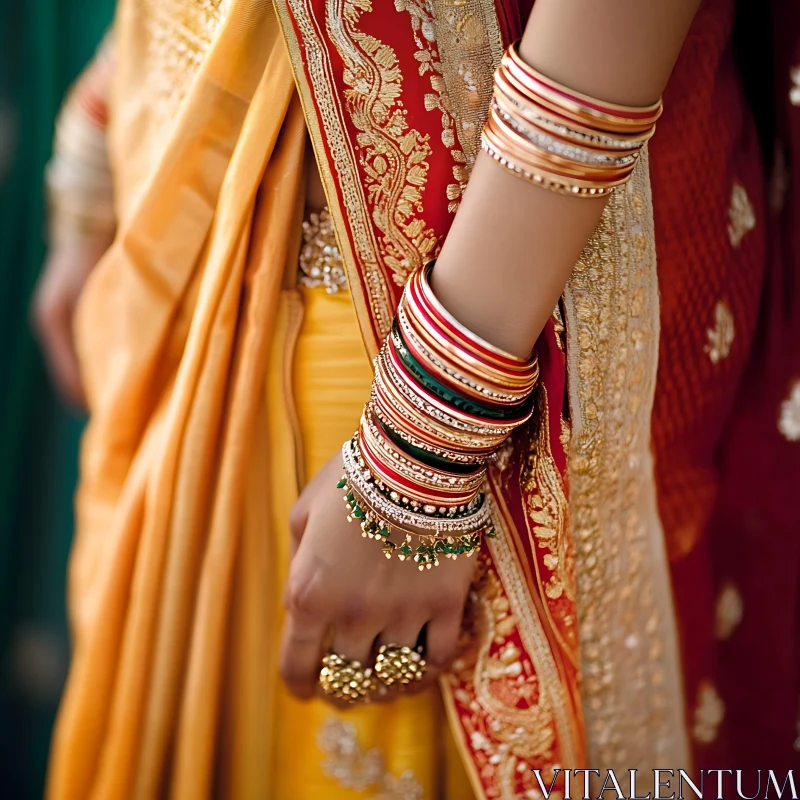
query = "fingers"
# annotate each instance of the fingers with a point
(441, 645)
(357, 627)
(404, 632)
(52, 320)
(303, 639)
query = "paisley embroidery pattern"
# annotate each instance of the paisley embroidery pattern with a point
(505, 710)
(547, 508)
(424, 28)
(392, 155)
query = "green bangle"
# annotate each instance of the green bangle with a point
(454, 399)
(429, 459)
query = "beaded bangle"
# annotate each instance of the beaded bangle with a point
(430, 404)
(447, 373)
(380, 515)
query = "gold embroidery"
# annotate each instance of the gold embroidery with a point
(179, 34)
(566, 433)
(708, 714)
(729, 610)
(741, 215)
(427, 55)
(470, 48)
(459, 42)
(560, 330)
(632, 695)
(513, 701)
(789, 420)
(355, 768)
(392, 155)
(794, 91)
(720, 337)
(325, 125)
(547, 507)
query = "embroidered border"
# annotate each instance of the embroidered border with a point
(326, 127)
(391, 153)
(632, 692)
(460, 43)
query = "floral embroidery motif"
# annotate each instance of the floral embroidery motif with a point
(708, 714)
(794, 92)
(355, 768)
(789, 420)
(470, 48)
(422, 24)
(741, 215)
(507, 711)
(720, 337)
(392, 154)
(730, 609)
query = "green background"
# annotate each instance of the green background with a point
(43, 46)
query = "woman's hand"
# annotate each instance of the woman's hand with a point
(341, 583)
(68, 265)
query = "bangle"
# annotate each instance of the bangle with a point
(560, 139)
(443, 401)
(380, 516)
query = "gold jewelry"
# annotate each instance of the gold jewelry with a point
(560, 139)
(345, 680)
(396, 664)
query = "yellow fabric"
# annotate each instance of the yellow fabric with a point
(186, 481)
(330, 376)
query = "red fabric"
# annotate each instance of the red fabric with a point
(725, 475)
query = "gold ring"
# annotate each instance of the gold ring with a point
(403, 665)
(344, 679)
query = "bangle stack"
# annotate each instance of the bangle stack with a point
(78, 177)
(559, 139)
(442, 403)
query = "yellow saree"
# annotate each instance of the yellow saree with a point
(192, 458)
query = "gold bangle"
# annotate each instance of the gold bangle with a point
(612, 115)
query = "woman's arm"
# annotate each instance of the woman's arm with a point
(80, 218)
(502, 269)
(513, 245)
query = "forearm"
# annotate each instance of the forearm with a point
(513, 245)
